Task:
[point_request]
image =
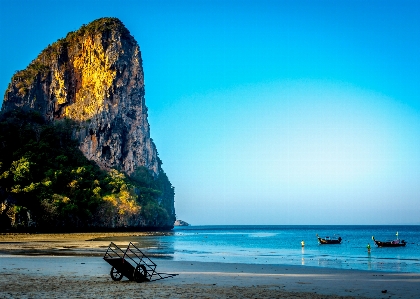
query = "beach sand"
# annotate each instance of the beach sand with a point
(71, 266)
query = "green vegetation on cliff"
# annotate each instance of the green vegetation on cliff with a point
(47, 183)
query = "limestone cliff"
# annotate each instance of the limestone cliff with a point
(93, 76)
(92, 79)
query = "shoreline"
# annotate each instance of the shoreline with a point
(71, 265)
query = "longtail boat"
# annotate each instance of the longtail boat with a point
(393, 243)
(328, 240)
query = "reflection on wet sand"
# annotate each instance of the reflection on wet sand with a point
(303, 258)
(162, 246)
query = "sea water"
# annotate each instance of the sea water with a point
(282, 245)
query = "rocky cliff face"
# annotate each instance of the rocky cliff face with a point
(94, 76)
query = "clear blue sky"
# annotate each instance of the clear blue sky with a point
(266, 112)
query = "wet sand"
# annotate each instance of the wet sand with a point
(83, 244)
(71, 266)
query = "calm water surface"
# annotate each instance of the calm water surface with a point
(282, 245)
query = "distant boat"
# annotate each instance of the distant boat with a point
(328, 240)
(394, 243)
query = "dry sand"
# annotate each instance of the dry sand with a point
(70, 266)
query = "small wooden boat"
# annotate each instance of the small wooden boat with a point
(328, 240)
(394, 243)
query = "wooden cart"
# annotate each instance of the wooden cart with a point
(132, 263)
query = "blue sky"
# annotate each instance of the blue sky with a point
(266, 112)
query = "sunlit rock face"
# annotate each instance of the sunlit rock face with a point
(94, 76)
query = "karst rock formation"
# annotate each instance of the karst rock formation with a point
(93, 76)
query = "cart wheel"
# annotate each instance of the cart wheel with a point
(140, 274)
(115, 275)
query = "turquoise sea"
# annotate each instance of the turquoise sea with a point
(282, 245)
